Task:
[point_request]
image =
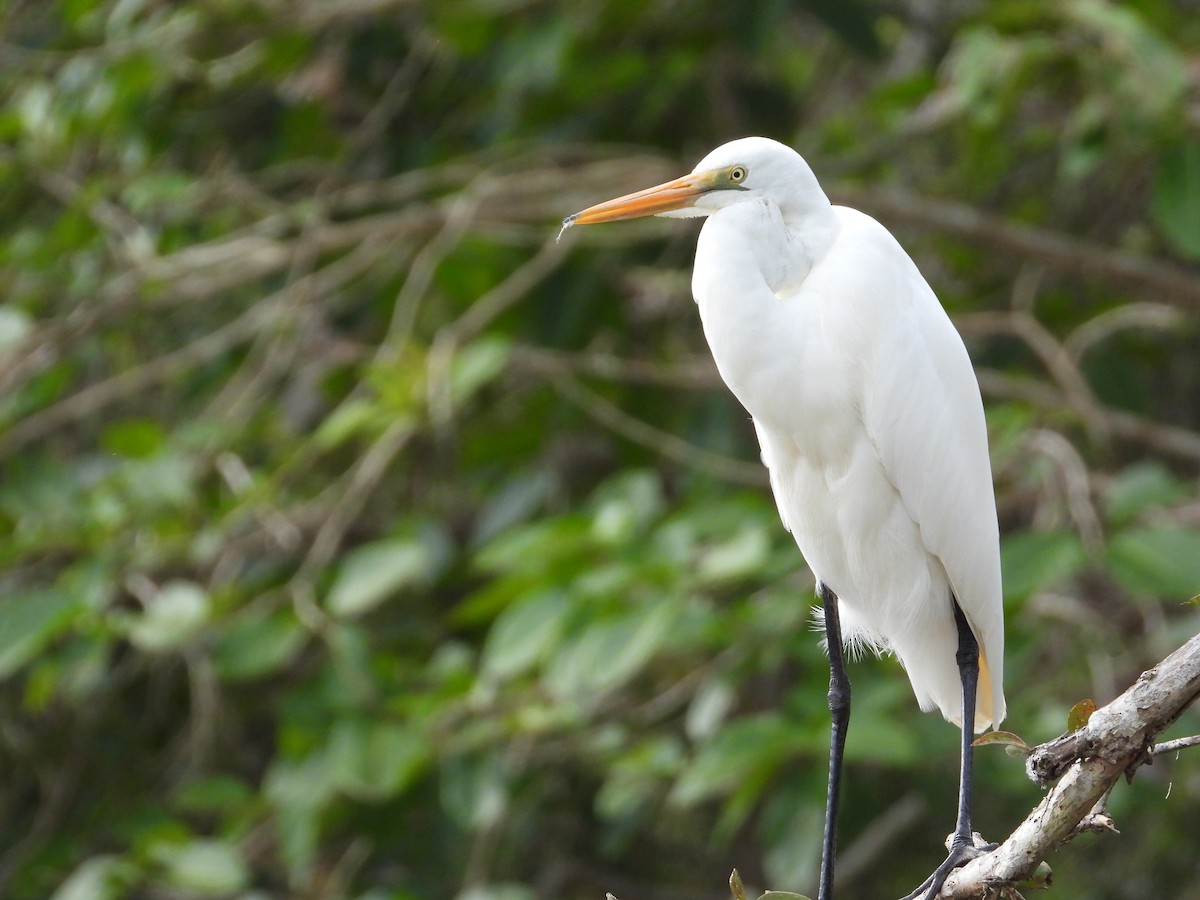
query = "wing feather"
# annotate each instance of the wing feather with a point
(923, 412)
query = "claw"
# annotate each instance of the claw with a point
(961, 853)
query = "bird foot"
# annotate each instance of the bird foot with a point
(962, 851)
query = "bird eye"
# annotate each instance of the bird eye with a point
(737, 174)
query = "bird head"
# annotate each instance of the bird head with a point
(746, 170)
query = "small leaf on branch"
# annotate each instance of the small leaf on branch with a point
(1079, 714)
(1011, 742)
(736, 887)
(1040, 880)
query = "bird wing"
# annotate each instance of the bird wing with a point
(923, 412)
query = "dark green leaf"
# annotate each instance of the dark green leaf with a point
(1177, 197)
(258, 645)
(1164, 562)
(28, 621)
(1034, 561)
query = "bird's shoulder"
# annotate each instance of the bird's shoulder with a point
(864, 268)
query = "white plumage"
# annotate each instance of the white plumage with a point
(865, 404)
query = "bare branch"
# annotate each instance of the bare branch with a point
(1176, 745)
(1156, 316)
(1077, 487)
(1062, 368)
(699, 374)
(660, 441)
(1116, 740)
(266, 312)
(1167, 439)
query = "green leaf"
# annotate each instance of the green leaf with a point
(475, 790)
(711, 704)
(1141, 487)
(791, 826)
(1163, 562)
(609, 653)
(29, 620)
(163, 480)
(99, 878)
(352, 419)
(633, 783)
(477, 364)
(257, 645)
(748, 749)
(1034, 561)
(534, 547)
(739, 557)
(524, 634)
(512, 502)
(1176, 200)
(206, 867)
(15, 326)
(299, 790)
(375, 760)
(132, 438)
(626, 505)
(374, 572)
(1039, 880)
(213, 795)
(173, 615)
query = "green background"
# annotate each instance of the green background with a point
(358, 540)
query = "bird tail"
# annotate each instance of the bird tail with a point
(986, 712)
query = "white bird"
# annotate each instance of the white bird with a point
(871, 425)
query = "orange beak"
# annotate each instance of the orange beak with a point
(663, 198)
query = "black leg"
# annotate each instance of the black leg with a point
(968, 670)
(839, 713)
(962, 845)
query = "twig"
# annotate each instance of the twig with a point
(94, 397)
(1099, 328)
(1168, 439)
(458, 217)
(659, 441)
(1077, 486)
(478, 316)
(1178, 744)
(864, 854)
(1061, 367)
(366, 474)
(696, 374)
(699, 374)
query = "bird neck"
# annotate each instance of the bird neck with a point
(759, 240)
(748, 244)
(750, 261)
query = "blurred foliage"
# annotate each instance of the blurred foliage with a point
(361, 541)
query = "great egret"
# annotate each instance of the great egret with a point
(871, 426)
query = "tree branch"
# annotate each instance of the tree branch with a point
(1116, 740)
